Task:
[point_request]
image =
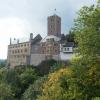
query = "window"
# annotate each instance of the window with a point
(24, 44)
(23, 56)
(16, 46)
(25, 50)
(67, 49)
(42, 44)
(21, 45)
(18, 56)
(50, 49)
(15, 51)
(21, 50)
(52, 39)
(27, 44)
(61, 49)
(47, 50)
(47, 40)
(10, 47)
(43, 51)
(56, 50)
(9, 51)
(52, 19)
(12, 52)
(18, 51)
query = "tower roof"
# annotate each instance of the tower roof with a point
(55, 15)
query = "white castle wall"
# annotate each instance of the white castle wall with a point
(65, 56)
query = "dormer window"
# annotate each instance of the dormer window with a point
(48, 40)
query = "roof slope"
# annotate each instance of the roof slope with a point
(50, 37)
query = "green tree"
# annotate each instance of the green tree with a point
(2, 63)
(44, 67)
(27, 78)
(56, 86)
(70, 37)
(11, 78)
(34, 89)
(87, 81)
(78, 83)
(2, 74)
(5, 92)
(18, 79)
(87, 31)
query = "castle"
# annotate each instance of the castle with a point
(35, 50)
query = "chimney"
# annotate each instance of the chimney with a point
(31, 36)
(10, 41)
(17, 41)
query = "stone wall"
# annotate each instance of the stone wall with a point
(36, 59)
(18, 54)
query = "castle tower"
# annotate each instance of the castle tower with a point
(54, 25)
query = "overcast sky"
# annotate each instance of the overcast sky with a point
(18, 18)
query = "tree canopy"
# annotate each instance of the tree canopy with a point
(87, 31)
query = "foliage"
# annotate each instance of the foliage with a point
(12, 78)
(45, 67)
(55, 87)
(87, 31)
(57, 66)
(2, 63)
(34, 90)
(88, 81)
(68, 37)
(79, 83)
(2, 74)
(18, 79)
(96, 98)
(5, 92)
(27, 78)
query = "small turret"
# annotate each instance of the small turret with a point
(31, 36)
(10, 41)
(17, 41)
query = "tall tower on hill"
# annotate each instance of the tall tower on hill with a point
(54, 25)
